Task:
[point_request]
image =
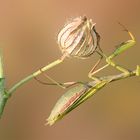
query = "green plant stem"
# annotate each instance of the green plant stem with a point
(31, 76)
(1, 64)
(3, 96)
(3, 100)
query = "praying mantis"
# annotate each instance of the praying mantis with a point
(77, 39)
(81, 92)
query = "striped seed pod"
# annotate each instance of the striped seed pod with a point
(78, 38)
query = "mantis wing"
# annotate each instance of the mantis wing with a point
(65, 101)
(73, 98)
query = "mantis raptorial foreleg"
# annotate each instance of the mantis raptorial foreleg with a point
(121, 48)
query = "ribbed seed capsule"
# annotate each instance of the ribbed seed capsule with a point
(78, 38)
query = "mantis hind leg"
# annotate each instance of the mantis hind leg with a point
(101, 54)
(62, 85)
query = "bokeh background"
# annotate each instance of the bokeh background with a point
(28, 32)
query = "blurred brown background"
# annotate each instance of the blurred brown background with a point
(28, 30)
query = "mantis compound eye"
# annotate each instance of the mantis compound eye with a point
(78, 38)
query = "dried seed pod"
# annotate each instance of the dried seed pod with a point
(78, 38)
